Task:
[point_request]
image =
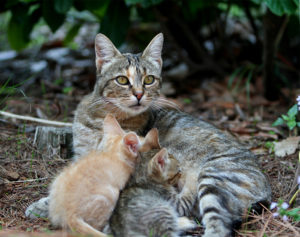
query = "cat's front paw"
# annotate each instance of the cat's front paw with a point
(38, 209)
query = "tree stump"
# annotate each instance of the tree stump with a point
(54, 141)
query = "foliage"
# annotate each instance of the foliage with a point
(279, 7)
(284, 212)
(114, 15)
(289, 119)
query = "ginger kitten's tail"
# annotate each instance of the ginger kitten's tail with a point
(79, 225)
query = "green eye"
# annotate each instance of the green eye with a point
(148, 80)
(122, 80)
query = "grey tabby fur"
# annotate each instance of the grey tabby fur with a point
(222, 177)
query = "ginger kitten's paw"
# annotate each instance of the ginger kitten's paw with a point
(38, 209)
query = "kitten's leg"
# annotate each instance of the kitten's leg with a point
(80, 226)
(184, 201)
(38, 209)
(185, 223)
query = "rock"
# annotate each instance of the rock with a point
(10, 175)
(54, 141)
(7, 55)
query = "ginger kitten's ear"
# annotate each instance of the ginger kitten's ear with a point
(131, 142)
(153, 50)
(150, 141)
(111, 126)
(105, 51)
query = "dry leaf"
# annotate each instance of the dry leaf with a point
(287, 146)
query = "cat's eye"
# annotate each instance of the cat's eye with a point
(149, 80)
(122, 80)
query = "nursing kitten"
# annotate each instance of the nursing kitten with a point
(226, 179)
(84, 195)
(133, 217)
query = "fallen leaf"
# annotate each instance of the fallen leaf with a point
(287, 146)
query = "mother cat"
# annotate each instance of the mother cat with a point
(228, 179)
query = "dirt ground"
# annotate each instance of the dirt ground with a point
(29, 172)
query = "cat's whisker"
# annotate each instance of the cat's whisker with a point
(167, 103)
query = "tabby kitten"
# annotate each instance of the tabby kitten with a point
(133, 217)
(84, 195)
(227, 179)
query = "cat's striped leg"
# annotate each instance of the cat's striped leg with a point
(216, 212)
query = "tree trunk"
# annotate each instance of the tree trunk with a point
(54, 141)
(274, 27)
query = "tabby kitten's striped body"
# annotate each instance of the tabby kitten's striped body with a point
(132, 217)
(224, 177)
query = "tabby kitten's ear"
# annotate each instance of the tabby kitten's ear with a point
(105, 51)
(131, 142)
(150, 141)
(111, 126)
(161, 160)
(153, 50)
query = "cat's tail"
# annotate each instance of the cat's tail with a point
(79, 225)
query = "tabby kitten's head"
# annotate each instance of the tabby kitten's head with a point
(129, 82)
(164, 168)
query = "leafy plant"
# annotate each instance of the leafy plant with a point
(289, 119)
(114, 15)
(284, 212)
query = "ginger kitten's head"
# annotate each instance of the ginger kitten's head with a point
(164, 168)
(129, 82)
(116, 140)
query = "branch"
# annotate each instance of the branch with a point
(37, 120)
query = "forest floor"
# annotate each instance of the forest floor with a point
(28, 172)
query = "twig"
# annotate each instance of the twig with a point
(37, 120)
(26, 181)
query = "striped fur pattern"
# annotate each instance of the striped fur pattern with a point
(120, 100)
(222, 178)
(135, 214)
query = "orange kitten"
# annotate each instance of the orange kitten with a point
(84, 195)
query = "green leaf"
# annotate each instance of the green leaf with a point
(116, 22)
(52, 17)
(257, 1)
(21, 24)
(281, 7)
(286, 118)
(293, 111)
(278, 122)
(298, 124)
(291, 124)
(73, 31)
(143, 3)
(62, 6)
(98, 8)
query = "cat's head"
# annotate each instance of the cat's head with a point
(115, 139)
(129, 82)
(164, 168)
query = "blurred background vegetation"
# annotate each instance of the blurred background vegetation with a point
(253, 41)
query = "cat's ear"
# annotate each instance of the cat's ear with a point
(105, 51)
(161, 159)
(150, 141)
(131, 142)
(111, 126)
(153, 50)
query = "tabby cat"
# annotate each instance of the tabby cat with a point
(227, 179)
(133, 217)
(84, 195)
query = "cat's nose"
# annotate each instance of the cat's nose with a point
(138, 95)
